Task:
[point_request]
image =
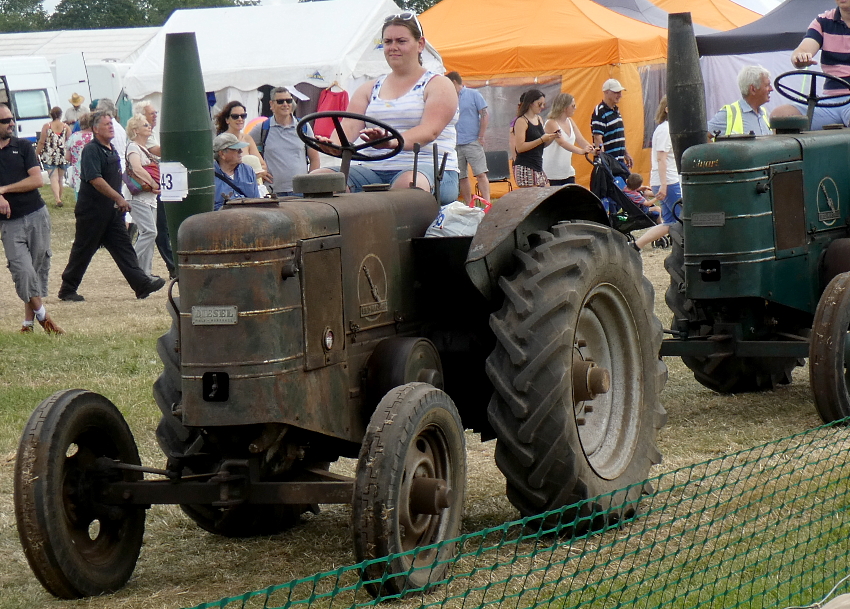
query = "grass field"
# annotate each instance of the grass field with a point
(110, 348)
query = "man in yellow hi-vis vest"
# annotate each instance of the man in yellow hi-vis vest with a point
(747, 115)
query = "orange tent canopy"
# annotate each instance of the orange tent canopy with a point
(484, 38)
(720, 15)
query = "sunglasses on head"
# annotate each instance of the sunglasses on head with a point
(284, 101)
(406, 16)
(6, 121)
(238, 116)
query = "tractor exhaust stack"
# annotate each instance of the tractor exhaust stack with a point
(186, 136)
(685, 90)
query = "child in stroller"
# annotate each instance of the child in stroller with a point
(608, 182)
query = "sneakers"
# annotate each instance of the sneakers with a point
(152, 286)
(50, 326)
(71, 297)
(26, 329)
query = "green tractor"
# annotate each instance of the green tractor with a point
(758, 270)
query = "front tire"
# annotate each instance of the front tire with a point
(828, 365)
(76, 546)
(414, 443)
(579, 295)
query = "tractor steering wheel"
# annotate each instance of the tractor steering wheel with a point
(346, 150)
(812, 100)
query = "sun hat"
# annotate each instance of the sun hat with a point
(612, 84)
(224, 141)
(77, 99)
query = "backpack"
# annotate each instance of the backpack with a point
(264, 134)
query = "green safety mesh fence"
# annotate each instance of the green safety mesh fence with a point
(764, 527)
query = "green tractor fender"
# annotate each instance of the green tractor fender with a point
(514, 217)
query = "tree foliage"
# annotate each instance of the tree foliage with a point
(93, 14)
(29, 15)
(22, 16)
(418, 6)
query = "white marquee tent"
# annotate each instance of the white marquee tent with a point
(320, 43)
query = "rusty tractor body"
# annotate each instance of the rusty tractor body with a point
(309, 329)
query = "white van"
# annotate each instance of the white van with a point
(27, 85)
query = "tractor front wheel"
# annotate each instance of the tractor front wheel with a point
(75, 545)
(828, 355)
(409, 489)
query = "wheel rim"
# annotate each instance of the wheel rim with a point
(427, 456)
(607, 335)
(96, 531)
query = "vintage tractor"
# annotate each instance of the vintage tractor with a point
(309, 329)
(758, 267)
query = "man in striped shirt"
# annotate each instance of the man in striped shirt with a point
(829, 34)
(606, 124)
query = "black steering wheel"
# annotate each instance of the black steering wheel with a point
(345, 150)
(813, 99)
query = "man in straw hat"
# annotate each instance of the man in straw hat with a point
(73, 114)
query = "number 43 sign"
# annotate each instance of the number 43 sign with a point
(173, 181)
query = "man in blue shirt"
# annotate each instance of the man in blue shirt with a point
(471, 126)
(233, 178)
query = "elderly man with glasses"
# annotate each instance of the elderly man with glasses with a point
(284, 153)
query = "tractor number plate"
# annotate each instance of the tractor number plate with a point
(717, 218)
(214, 316)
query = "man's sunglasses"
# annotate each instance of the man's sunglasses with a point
(406, 16)
(284, 101)
(6, 121)
(238, 116)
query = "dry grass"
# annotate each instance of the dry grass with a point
(110, 348)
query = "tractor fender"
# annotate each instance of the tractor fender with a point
(514, 217)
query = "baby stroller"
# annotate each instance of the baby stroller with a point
(607, 182)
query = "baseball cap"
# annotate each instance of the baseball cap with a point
(227, 140)
(612, 84)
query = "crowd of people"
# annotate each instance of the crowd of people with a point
(114, 171)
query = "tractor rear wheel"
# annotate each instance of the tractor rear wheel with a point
(175, 438)
(577, 375)
(75, 545)
(409, 489)
(731, 374)
(828, 362)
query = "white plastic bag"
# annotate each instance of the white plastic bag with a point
(456, 220)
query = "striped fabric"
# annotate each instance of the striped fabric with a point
(608, 123)
(833, 36)
(405, 113)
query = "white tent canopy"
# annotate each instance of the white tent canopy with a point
(762, 7)
(316, 42)
(121, 45)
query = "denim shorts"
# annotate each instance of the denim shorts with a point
(674, 193)
(362, 175)
(52, 168)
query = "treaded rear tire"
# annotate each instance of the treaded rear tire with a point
(732, 374)
(581, 282)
